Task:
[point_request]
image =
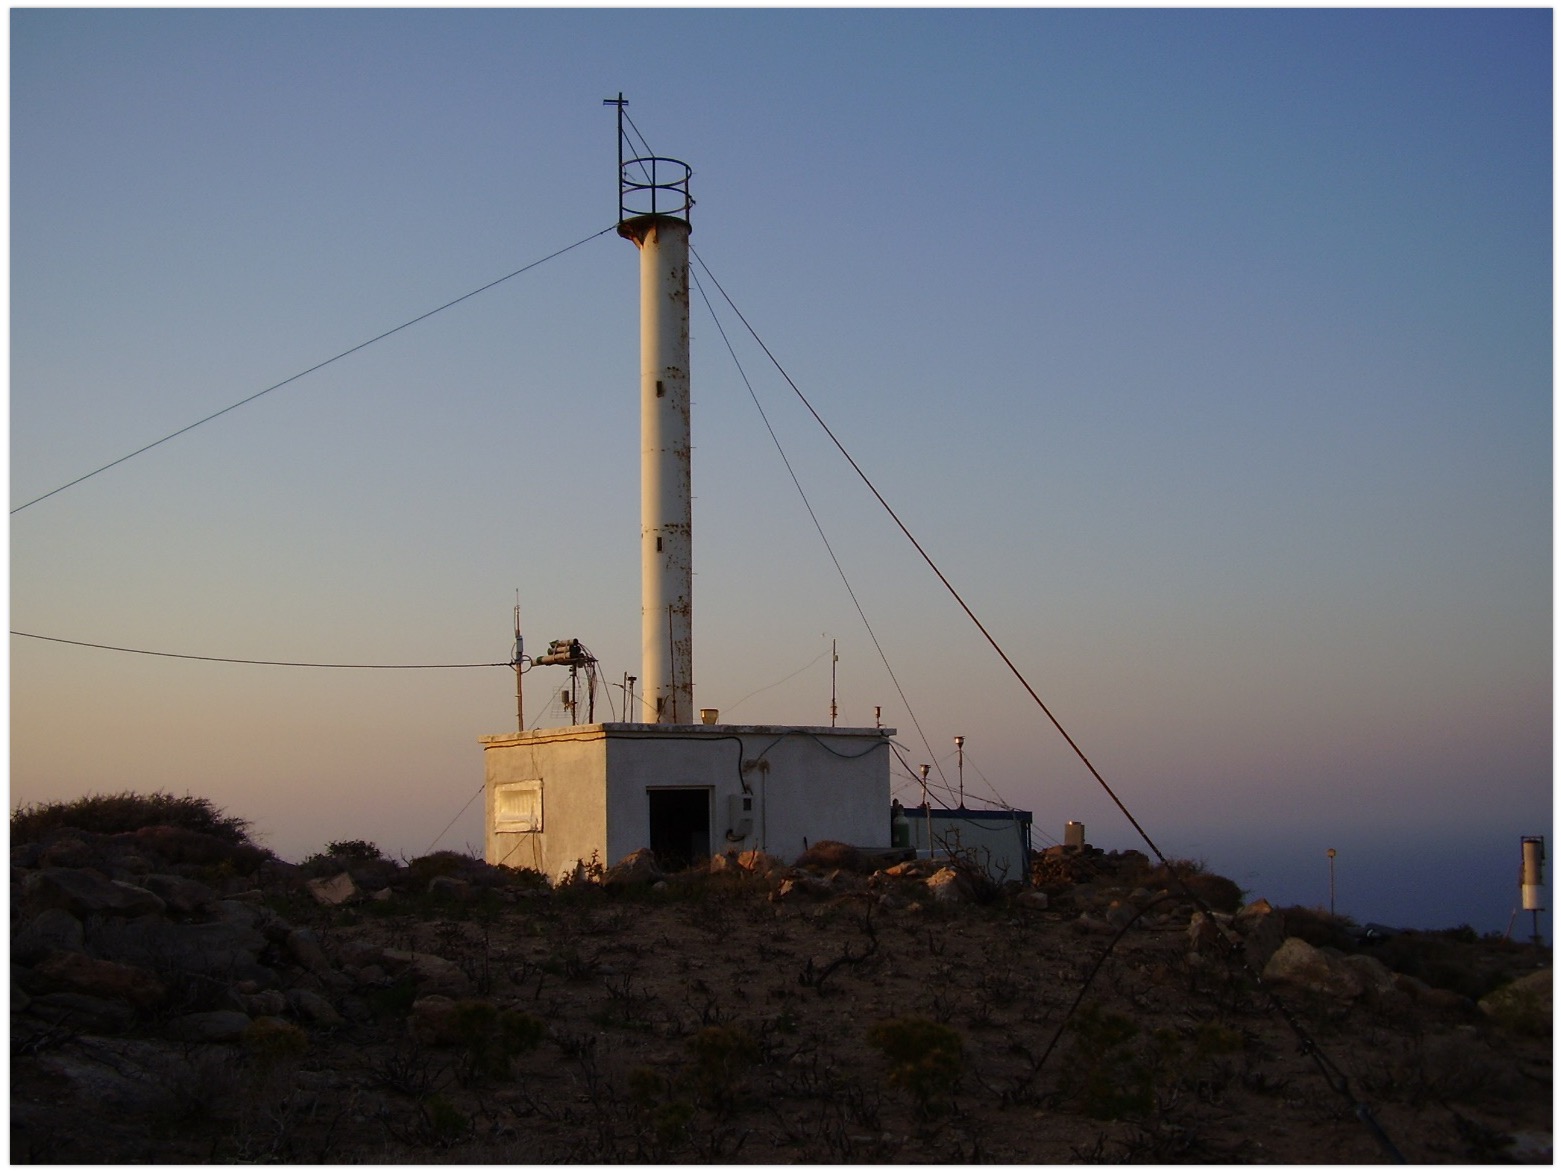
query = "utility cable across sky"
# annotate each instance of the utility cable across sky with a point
(317, 366)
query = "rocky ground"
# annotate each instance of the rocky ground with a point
(178, 998)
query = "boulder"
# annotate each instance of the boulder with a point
(337, 889)
(210, 1026)
(85, 893)
(1121, 913)
(242, 914)
(26, 855)
(1428, 995)
(1376, 978)
(758, 862)
(1523, 1005)
(637, 869)
(1202, 933)
(801, 884)
(1033, 899)
(303, 946)
(1262, 931)
(947, 886)
(82, 1012)
(432, 975)
(68, 853)
(832, 854)
(369, 976)
(312, 1008)
(180, 894)
(51, 930)
(1255, 910)
(80, 974)
(265, 1003)
(357, 954)
(219, 949)
(1303, 966)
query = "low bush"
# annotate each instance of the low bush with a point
(441, 863)
(355, 849)
(722, 1054)
(1104, 1073)
(491, 1038)
(1316, 926)
(926, 1059)
(1180, 876)
(113, 814)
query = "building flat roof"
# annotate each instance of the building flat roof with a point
(639, 729)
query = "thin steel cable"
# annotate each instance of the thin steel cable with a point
(776, 684)
(1330, 1071)
(317, 366)
(643, 147)
(458, 814)
(233, 660)
(933, 566)
(809, 506)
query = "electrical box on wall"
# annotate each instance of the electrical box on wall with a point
(739, 817)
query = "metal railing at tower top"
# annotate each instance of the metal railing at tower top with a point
(659, 182)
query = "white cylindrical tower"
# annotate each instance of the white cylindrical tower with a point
(1532, 880)
(666, 502)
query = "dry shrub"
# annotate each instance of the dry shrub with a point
(181, 845)
(926, 1059)
(443, 863)
(1318, 927)
(1183, 875)
(113, 814)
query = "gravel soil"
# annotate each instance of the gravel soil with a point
(712, 1020)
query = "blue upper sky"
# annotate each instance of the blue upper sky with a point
(1208, 352)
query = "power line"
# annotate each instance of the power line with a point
(317, 366)
(233, 660)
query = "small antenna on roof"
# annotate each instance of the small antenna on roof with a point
(518, 657)
(620, 101)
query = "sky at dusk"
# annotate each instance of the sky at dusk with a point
(1208, 353)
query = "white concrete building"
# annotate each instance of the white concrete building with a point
(560, 797)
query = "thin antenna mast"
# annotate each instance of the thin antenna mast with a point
(620, 101)
(520, 655)
(834, 659)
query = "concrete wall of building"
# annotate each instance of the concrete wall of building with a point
(806, 784)
(822, 784)
(571, 766)
(998, 842)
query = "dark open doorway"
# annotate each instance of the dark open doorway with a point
(679, 826)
